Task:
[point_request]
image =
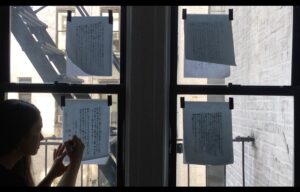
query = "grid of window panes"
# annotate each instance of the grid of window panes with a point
(38, 55)
(262, 42)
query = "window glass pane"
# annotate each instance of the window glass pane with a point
(116, 25)
(25, 96)
(62, 20)
(61, 40)
(51, 112)
(38, 45)
(269, 160)
(262, 45)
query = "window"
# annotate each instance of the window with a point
(45, 66)
(268, 119)
(25, 96)
(59, 118)
(216, 9)
(61, 28)
(116, 26)
(264, 85)
(47, 62)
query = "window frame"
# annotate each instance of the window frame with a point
(105, 9)
(25, 96)
(292, 90)
(119, 89)
(59, 31)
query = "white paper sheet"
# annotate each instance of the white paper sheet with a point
(73, 69)
(208, 38)
(89, 120)
(198, 69)
(207, 138)
(89, 45)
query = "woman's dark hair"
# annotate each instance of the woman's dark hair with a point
(17, 117)
(23, 169)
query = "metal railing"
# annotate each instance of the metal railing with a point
(107, 171)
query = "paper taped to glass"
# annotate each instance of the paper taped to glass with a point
(89, 46)
(207, 135)
(89, 120)
(208, 38)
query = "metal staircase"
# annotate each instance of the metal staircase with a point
(50, 62)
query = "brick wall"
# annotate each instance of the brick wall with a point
(262, 43)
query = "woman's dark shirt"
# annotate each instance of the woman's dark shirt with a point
(8, 178)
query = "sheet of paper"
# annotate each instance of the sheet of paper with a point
(89, 45)
(73, 69)
(208, 38)
(89, 120)
(198, 69)
(207, 136)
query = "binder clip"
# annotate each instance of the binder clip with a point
(182, 104)
(230, 103)
(62, 101)
(179, 148)
(183, 14)
(109, 100)
(230, 14)
(110, 17)
(69, 16)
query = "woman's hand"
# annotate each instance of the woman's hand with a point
(74, 149)
(58, 168)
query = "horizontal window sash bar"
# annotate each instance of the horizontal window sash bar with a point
(237, 90)
(59, 88)
(180, 89)
(50, 143)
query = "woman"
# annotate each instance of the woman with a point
(20, 138)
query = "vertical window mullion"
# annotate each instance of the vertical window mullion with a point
(5, 43)
(173, 97)
(296, 82)
(121, 101)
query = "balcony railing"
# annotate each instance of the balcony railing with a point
(55, 141)
(105, 174)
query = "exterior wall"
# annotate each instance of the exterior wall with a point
(263, 48)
